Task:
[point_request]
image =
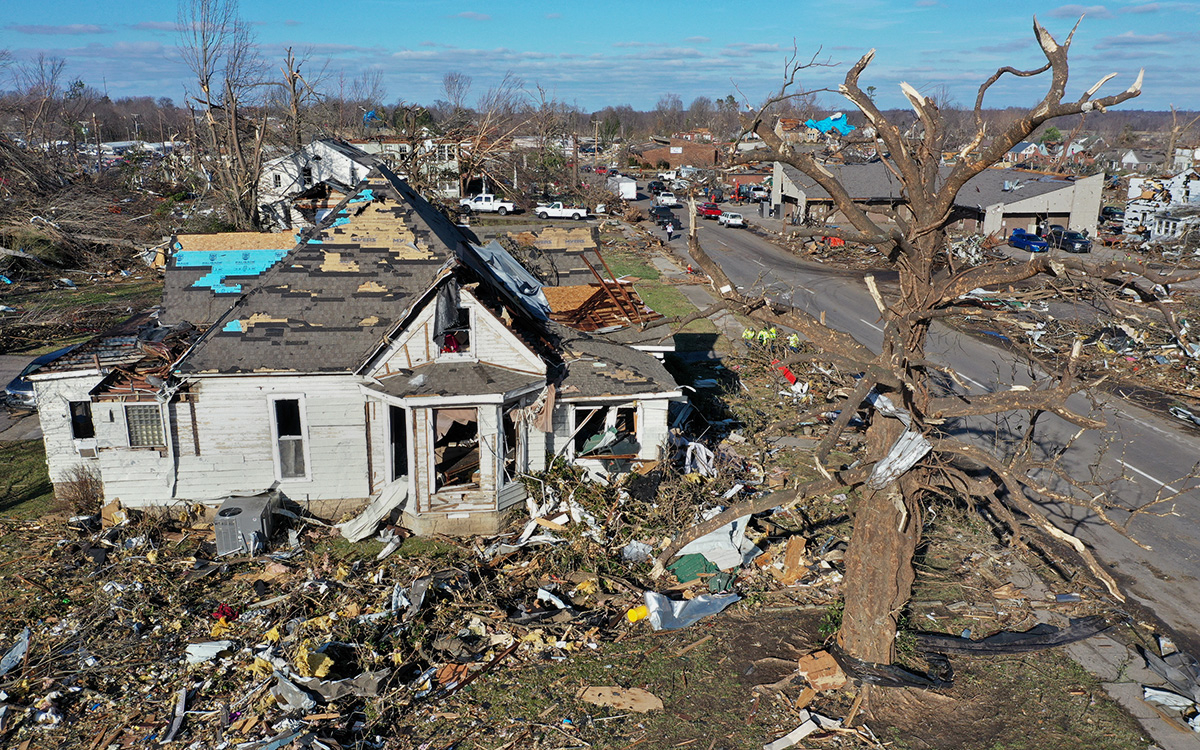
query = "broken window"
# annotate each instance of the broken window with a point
(82, 427)
(305, 177)
(278, 180)
(289, 439)
(144, 425)
(514, 445)
(398, 428)
(607, 430)
(455, 448)
(457, 338)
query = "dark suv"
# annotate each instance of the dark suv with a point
(655, 187)
(1072, 242)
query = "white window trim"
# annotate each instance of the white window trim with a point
(467, 356)
(522, 447)
(410, 447)
(430, 451)
(278, 467)
(125, 420)
(575, 407)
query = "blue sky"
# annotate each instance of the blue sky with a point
(622, 52)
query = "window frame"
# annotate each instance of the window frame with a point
(162, 430)
(617, 406)
(521, 459)
(471, 354)
(435, 481)
(304, 436)
(91, 419)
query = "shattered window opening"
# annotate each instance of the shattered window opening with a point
(143, 422)
(457, 339)
(606, 430)
(289, 439)
(398, 427)
(514, 445)
(82, 427)
(456, 448)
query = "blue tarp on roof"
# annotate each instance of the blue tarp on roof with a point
(836, 122)
(226, 263)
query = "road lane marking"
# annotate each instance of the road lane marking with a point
(877, 328)
(1159, 482)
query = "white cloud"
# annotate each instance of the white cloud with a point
(69, 29)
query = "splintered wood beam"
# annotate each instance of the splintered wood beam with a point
(603, 285)
(620, 287)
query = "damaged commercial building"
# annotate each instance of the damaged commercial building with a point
(384, 359)
(995, 200)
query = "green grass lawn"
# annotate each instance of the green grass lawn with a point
(627, 263)
(25, 490)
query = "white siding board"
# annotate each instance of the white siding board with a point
(54, 413)
(491, 342)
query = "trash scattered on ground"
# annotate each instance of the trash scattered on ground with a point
(622, 699)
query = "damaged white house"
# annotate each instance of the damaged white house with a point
(384, 360)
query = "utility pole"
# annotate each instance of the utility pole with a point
(575, 160)
(96, 130)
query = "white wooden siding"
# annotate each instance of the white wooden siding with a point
(233, 427)
(54, 399)
(491, 342)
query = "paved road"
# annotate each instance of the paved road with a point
(1146, 453)
(16, 424)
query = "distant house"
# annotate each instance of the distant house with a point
(996, 200)
(383, 359)
(1026, 151)
(437, 159)
(1185, 158)
(1140, 162)
(327, 162)
(793, 130)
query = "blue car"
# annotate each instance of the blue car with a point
(1023, 240)
(19, 392)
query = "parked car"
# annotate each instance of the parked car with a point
(759, 193)
(661, 215)
(486, 203)
(1022, 240)
(19, 392)
(1112, 212)
(1072, 242)
(601, 170)
(666, 199)
(560, 210)
(655, 187)
(730, 219)
(709, 210)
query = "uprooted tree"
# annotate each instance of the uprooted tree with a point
(911, 456)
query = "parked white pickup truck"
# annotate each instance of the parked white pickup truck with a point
(666, 199)
(558, 210)
(486, 203)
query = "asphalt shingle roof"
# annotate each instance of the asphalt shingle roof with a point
(875, 182)
(331, 300)
(457, 379)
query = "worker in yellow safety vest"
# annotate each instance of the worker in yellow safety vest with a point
(793, 341)
(748, 335)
